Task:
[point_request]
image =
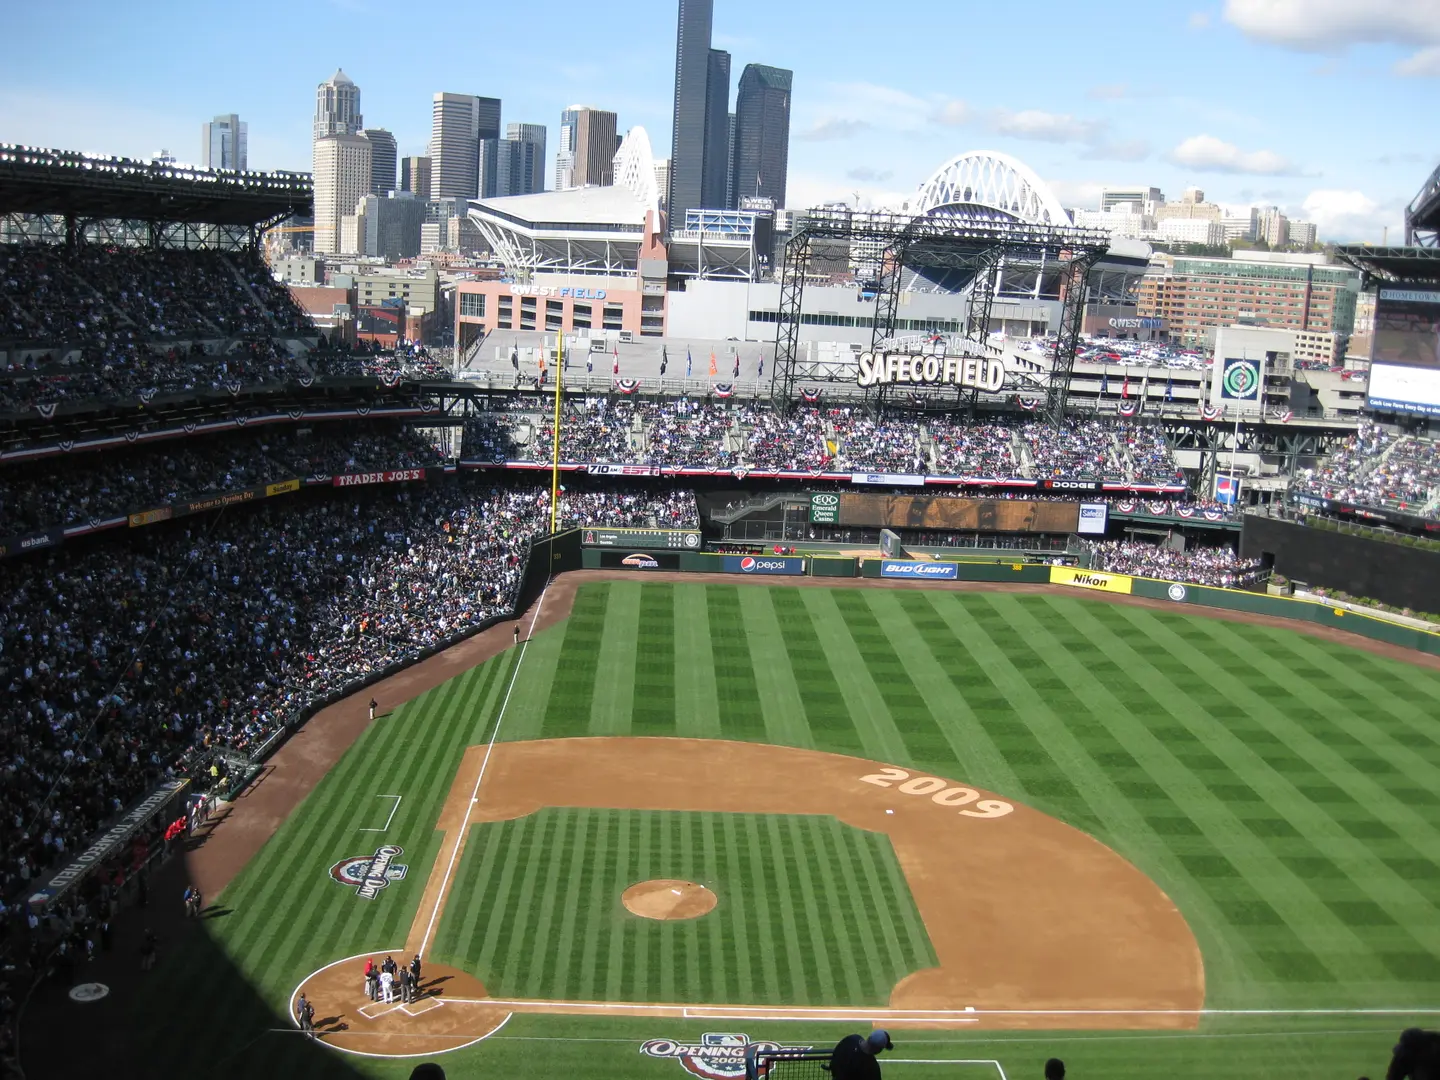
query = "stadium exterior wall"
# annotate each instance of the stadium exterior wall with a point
(1391, 573)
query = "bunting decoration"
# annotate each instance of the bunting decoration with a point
(296, 414)
(1159, 509)
(627, 386)
(66, 445)
(1281, 415)
(810, 394)
(723, 389)
(46, 409)
(1128, 408)
(363, 410)
(242, 420)
(1125, 507)
(1186, 511)
(1029, 404)
(1212, 413)
(426, 405)
(147, 395)
(189, 426)
(307, 381)
(233, 385)
(390, 380)
(131, 436)
(1211, 514)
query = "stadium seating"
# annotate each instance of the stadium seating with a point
(1378, 468)
(1219, 566)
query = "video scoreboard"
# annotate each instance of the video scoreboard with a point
(671, 539)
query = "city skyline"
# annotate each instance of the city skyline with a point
(1267, 109)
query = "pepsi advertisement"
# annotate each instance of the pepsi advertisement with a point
(762, 564)
(926, 571)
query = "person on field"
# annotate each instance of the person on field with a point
(1054, 1069)
(517, 632)
(415, 972)
(1416, 1056)
(373, 706)
(305, 1015)
(372, 985)
(855, 1056)
(387, 987)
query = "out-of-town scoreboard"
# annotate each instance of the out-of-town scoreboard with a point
(673, 539)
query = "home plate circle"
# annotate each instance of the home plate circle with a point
(668, 898)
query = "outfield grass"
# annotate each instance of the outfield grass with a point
(1282, 789)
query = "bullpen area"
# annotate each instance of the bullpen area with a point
(1007, 823)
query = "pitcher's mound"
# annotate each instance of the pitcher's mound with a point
(665, 898)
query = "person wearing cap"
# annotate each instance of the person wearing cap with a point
(1054, 1069)
(1416, 1056)
(854, 1057)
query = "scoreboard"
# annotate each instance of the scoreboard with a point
(672, 539)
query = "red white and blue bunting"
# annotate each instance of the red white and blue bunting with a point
(627, 386)
(810, 394)
(1281, 415)
(724, 389)
(1128, 408)
(1211, 413)
(1029, 404)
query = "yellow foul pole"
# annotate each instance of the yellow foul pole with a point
(555, 455)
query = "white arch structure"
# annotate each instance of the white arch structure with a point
(989, 184)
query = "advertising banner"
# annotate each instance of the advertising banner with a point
(1090, 579)
(919, 571)
(395, 476)
(1227, 489)
(762, 564)
(230, 498)
(887, 479)
(151, 517)
(623, 470)
(640, 560)
(825, 508)
(1094, 517)
(282, 487)
(1240, 379)
(34, 541)
(944, 512)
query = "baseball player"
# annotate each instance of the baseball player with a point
(373, 706)
(854, 1057)
(387, 987)
(372, 979)
(305, 1014)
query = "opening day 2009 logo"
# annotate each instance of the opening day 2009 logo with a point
(368, 874)
(717, 1056)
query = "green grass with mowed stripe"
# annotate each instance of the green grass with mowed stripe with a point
(1281, 788)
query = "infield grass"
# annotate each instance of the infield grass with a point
(1281, 788)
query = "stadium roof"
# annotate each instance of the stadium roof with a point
(34, 180)
(1393, 263)
(576, 208)
(1422, 216)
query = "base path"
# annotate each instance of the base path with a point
(1034, 923)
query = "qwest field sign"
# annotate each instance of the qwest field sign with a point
(1090, 579)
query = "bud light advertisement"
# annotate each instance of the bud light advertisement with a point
(926, 571)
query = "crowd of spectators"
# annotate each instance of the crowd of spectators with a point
(124, 660)
(685, 432)
(368, 359)
(1082, 449)
(1145, 453)
(72, 489)
(778, 440)
(595, 429)
(871, 445)
(1220, 566)
(97, 293)
(983, 449)
(1376, 467)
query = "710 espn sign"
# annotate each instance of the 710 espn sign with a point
(971, 372)
(825, 508)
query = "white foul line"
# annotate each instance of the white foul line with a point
(475, 792)
(395, 806)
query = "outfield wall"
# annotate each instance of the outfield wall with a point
(1016, 573)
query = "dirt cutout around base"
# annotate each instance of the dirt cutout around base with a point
(668, 898)
(1034, 923)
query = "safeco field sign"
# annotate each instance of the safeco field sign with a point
(1089, 579)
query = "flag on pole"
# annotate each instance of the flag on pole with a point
(713, 369)
(736, 373)
(1169, 388)
(760, 367)
(1125, 386)
(689, 363)
(664, 360)
(1105, 383)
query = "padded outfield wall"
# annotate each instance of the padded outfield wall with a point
(1394, 574)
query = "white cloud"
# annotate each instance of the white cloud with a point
(953, 113)
(1043, 126)
(1108, 92)
(1351, 216)
(1209, 154)
(1334, 25)
(1084, 194)
(834, 128)
(1425, 64)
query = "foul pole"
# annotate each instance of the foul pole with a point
(555, 450)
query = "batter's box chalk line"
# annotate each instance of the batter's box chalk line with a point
(429, 1005)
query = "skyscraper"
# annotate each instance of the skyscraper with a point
(415, 176)
(587, 148)
(222, 144)
(717, 130)
(337, 107)
(730, 161)
(383, 154)
(531, 138)
(342, 179)
(687, 129)
(459, 123)
(762, 133)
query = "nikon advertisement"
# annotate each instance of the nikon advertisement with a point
(969, 372)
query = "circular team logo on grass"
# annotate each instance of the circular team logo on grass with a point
(1241, 379)
(88, 992)
(368, 874)
(717, 1056)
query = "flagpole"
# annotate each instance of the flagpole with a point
(555, 452)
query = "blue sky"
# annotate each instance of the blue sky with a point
(1326, 108)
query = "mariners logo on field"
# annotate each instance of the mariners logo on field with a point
(1241, 379)
(1176, 592)
(370, 873)
(717, 1056)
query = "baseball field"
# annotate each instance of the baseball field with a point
(1005, 824)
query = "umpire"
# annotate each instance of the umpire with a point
(854, 1057)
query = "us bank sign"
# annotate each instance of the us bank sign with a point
(971, 372)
